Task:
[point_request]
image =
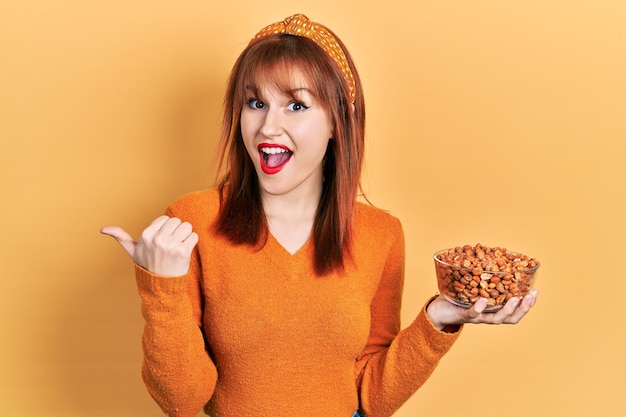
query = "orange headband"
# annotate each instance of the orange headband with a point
(300, 25)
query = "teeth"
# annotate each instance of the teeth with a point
(273, 150)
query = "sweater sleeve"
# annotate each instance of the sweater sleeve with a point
(177, 369)
(394, 363)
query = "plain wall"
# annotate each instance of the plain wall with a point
(499, 122)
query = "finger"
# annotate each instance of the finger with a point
(149, 232)
(534, 293)
(191, 241)
(504, 314)
(182, 232)
(477, 309)
(169, 226)
(524, 307)
(126, 240)
(158, 223)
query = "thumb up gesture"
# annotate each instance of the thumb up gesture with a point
(164, 247)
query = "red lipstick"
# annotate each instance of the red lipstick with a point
(273, 157)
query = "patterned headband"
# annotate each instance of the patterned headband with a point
(300, 25)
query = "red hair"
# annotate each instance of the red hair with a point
(271, 59)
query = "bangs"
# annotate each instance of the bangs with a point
(286, 77)
(289, 63)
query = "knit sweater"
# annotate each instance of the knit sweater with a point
(252, 331)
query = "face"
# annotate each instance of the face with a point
(286, 136)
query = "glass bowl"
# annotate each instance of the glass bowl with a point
(467, 273)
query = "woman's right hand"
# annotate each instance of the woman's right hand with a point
(164, 247)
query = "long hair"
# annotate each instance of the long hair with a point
(241, 218)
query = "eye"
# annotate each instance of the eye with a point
(254, 103)
(297, 106)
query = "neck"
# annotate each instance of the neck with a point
(290, 217)
(299, 206)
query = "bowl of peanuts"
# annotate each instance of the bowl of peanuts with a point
(467, 273)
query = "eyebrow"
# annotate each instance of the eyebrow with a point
(293, 90)
(290, 93)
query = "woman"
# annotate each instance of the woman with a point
(276, 293)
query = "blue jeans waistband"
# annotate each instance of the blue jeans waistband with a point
(357, 414)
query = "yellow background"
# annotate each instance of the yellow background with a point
(500, 122)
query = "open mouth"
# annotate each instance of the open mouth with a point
(273, 157)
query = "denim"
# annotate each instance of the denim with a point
(356, 414)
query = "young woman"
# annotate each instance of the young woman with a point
(277, 293)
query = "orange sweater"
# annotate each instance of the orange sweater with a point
(251, 332)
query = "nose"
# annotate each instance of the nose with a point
(272, 123)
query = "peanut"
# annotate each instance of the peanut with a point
(466, 273)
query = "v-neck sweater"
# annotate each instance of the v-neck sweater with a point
(253, 331)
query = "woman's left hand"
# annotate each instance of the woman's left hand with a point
(443, 313)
